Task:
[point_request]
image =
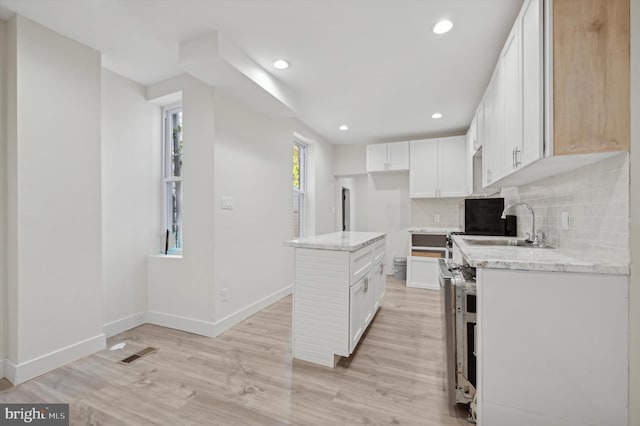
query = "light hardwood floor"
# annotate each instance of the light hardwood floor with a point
(247, 376)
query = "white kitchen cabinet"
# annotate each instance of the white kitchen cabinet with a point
(479, 128)
(493, 130)
(338, 287)
(388, 157)
(379, 278)
(422, 265)
(423, 169)
(511, 74)
(531, 27)
(438, 168)
(358, 310)
(452, 172)
(552, 348)
(521, 63)
(512, 134)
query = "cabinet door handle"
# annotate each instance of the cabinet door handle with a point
(513, 158)
(366, 285)
(381, 268)
(518, 161)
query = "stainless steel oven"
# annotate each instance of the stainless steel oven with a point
(458, 293)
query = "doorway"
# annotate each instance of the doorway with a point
(346, 209)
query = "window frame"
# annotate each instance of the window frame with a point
(167, 176)
(302, 192)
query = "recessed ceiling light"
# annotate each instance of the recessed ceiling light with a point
(343, 127)
(281, 64)
(436, 115)
(443, 26)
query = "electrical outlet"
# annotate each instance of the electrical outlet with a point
(436, 218)
(224, 294)
(565, 221)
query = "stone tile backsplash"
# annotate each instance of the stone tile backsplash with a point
(450, 210)
(596, 198)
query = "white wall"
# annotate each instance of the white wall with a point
(449, 210)
(634, 290)
(387, 210)
(350, 159)
(3, 203)
(131, 200)
(358, 191)
(253, 166)
(233, 151)
(182, 289)
(54, 271)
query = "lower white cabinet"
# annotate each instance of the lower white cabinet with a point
(357, 311)
(422, 264)
(552, 348)
(423, 273)
(336, 294)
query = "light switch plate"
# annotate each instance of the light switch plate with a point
(565, 220)
(436, 218)
(227, 203)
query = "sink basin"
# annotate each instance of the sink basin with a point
(502, 243)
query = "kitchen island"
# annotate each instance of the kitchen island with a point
(338, 287)
(552, 334)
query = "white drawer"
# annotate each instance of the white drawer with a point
(361, 262)
(378, 252)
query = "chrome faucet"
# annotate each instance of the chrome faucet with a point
(538, 240)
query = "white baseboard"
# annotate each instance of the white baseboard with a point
(123, 324)
(425, 286)
(230, 320)
(190, 325)
(20, 373)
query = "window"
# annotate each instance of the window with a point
(299, 188)
(173, 177)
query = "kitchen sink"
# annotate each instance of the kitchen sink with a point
(502, 243)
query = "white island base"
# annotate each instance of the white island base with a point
(338, 286)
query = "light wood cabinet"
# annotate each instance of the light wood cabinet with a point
(437, 168)
(388, 157)
(591, 76)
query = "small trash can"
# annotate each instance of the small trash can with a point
(400, 268)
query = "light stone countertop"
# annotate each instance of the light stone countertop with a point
(434, 230)
(533, 259)
(341, 241)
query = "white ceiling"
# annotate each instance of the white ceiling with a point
(374, 65)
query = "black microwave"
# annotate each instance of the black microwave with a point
(482, 216)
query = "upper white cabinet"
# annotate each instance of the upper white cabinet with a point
(513, 124)
(531, 25)
(423, 170)
(511, 73)
(388, 157)
(521, 62)
(438, 168)
(493, 130)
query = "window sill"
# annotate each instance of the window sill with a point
(165, 256)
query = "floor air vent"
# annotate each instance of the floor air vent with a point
(137, 355)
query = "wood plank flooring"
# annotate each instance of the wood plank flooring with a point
(247, 377)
